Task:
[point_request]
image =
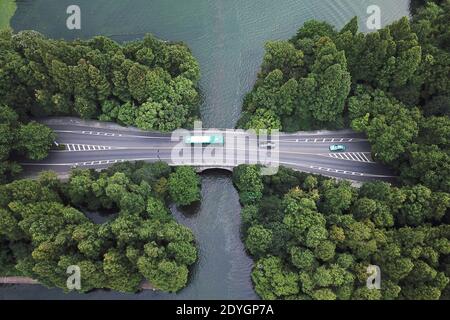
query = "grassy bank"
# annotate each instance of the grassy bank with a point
(7, 10)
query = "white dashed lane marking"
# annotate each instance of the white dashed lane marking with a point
(353, 173)
(98, 162)
(352, 156)
(321, 140)
(95, 133)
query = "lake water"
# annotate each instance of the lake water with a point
(227, 38)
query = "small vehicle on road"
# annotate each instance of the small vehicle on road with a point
(337, 148)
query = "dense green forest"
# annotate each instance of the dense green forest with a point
(31, 141)
(311, 237)
(146, 83)
(314, 237)
(307, 82)
(417, 4)
(43, 228)
(392, 84)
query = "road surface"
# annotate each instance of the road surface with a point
(90, 144)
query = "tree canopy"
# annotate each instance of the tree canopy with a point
(314, 238)
(148, 83)
(391, 84)
(43, 230)
(30, 141)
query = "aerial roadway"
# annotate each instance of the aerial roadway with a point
(92, 144)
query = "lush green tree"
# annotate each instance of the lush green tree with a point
(137, 82)
(337, 197)
(92, 78)
(184, 186)
(325, 89)
(88, 242)
(325, 250)
(27, 191)
(132, 203)
(164, 275)
(9, 227)
(161, 116)
(428, 165)
(31, 140)
(400, 99)
(314, 30)
(183, 252)
(40, 235)
(418, 4)
(386, 59)
(8, 136)
(283, 56)
(248, 181)
(156, 208)
(272, 281)
(422, 205)
(303, 259)
(35, 140)
(304, 82)
(430, 25)
(79, 187)
(264, 120)
(258, 240)
(273, 93)
(389, 125)
(8, 124)
(333, 232)
(127, 114)
(435, 131)
(110, 110)
(120, 273)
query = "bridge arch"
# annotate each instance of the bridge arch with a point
(210, 168)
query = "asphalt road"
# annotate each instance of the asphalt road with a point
(97, 145)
